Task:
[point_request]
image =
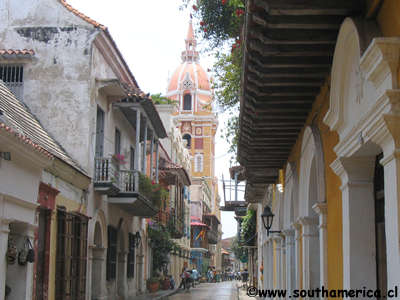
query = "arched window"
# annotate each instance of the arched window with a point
(198, 162)
(188, 140)
(187, 102)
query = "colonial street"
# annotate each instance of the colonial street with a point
(226, 290)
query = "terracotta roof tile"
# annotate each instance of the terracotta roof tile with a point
(25, 140)
(27, 52)
(82, 15)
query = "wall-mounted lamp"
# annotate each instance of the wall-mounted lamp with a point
(137, 238)
(267, 218)
(5, 155)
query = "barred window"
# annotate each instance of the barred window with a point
(131, 257)
(13, 77)
(111, 271)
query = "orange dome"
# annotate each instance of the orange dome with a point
(192, 71)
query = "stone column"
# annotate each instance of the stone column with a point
(310, 252)
(297, 256)
(122, 285)
(151, 155)
(358, 211)
(290, 264)
(391, 164)
(30, 234)
(321, 210)
(278, 240)
(98, 282)
(157, 158)
(270, 264)
(144, 150)
(4, 231)
(137, 150)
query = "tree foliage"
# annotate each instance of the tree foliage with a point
(239, 251)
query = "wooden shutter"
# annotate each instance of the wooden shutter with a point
(131, 257)
(111, 270)
(80, 256)
(99, 133)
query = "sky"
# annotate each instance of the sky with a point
(150, 36)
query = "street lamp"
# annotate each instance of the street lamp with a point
(267, 218)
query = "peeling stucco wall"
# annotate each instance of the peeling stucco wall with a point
(57, 79)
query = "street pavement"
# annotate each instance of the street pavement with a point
(226, 290)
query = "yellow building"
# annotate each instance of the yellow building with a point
(190, 87)
(319, 139)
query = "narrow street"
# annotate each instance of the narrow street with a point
(222, 291)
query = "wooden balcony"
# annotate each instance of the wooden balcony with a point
(106, 176)
(212, 236)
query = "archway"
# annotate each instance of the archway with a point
(290, 215)
(312, 196)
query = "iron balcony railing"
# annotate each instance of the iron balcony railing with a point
(106, 176)
(129, 181)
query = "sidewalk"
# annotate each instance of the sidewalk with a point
(243, 293)
(160, 295)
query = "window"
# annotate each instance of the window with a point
(111, 269)
(117, 141)
(100, 132)
(131, 257)
(198, 163)
(198, 143)
(13, 77)
(188, 140)
(71, 256)
(187, 102)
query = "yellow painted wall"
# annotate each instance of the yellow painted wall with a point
(388, 18)
(332, 187)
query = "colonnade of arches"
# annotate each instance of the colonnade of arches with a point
(361, 211)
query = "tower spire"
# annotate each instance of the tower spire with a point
(190, 54)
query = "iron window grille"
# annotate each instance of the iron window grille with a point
(13, 77)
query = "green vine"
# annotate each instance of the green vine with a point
(153, 191)
(249, 228)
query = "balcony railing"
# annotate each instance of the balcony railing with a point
(106, 176)
(128, 181)
(199, 243)
(124, 188)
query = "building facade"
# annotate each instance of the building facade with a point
(191, 89)
(330, 175)
(76, 82)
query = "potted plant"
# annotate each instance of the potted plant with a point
(165, 283)
(153, 284)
